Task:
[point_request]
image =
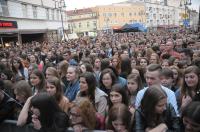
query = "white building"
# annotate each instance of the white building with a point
(163, 13)
(35, 19)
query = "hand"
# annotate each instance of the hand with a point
(36, 123)
(186, 100)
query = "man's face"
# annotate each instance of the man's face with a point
(152, 78)
(169, 46)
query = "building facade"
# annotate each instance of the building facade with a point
(116, 15)
(36, 20)
(83, 21)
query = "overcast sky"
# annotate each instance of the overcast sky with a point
(72, 4)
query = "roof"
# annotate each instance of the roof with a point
(79, 11)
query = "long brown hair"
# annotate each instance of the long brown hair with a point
(151, 97)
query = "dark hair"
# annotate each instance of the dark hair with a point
(119, 111)
(91, 82)
(105, 63)
(166, 72)
(121, 90)
(192, 111)
(105, 71)
(41, 85)
(57, 83)
(88, 67)
(185, 90)
(137, 79)
(150, 99)
(154, 67)
(51, 115)
(125, 67)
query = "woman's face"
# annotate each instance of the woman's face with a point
(35, 80)
(107, 80)
(19, 97)
(83, 84)
(191, 79)
(48, 73)
(83, 68)
(153, 59)
(16, 64)
(165, 64)
(133, 63)
(114, 62)
(74, 115)
(51, 89)
(190, 125)
(175, 74)
(132, 86)
(161, 106)
(71, 74)
(143, 62)
(115, 97)
(119, 126)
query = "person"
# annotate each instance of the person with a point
(119, 118)
(47, 115)
(190, 90)
(82, 115)
(117, 95)
(37, 80)
(191, 117)
(167, 78)
(73, 87)
(154, 114)
(20, 72)
(54, 88)
(7, 105)
(22, 91)
(88, 89)
(133, 86)
(107, 80)
(153, 78)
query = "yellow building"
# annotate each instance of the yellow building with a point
(116, 15)
(82, 20)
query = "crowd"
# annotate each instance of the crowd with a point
(126, 82)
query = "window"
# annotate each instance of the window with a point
(34, 11)
(74, 25)
(4, 8)
(79, 25)
(24, 10)
(130, 14)
(52, 14)
(88, 24)
(57, 14)
(122, 14)
(115, 14)
(47, 14)
(94, 23)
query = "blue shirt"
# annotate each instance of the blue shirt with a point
(171, 98)
(72, 90)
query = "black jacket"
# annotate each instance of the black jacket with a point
(169, 116)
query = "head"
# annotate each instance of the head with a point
(107, 78)
(44, 107)
(88, 85)
(153, 74)
(37, 79)
(62, 68)
(22, 91)
(154, 102)
(119, 118)
(191, 80)
(166, 77)
(134, 83)
(191, 117)
(86, 67)
(51, 72)
(72, 73)
(82, 112)
(54, 87)
(118, 94)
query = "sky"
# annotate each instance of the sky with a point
(78, 4)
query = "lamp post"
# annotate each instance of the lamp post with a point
(186, 3)
(60, 4)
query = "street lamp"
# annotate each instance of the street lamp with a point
(60, 4)
(186, 3)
